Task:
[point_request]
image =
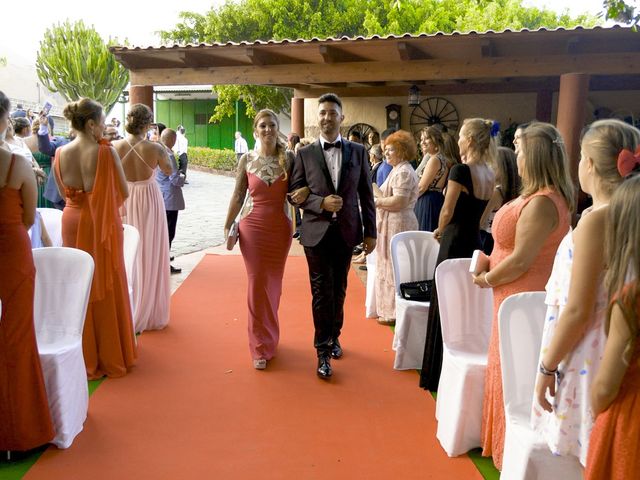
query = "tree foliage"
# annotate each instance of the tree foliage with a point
(250, 20)
(76, 62)
(622, 11)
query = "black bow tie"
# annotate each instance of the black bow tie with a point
(329, 145)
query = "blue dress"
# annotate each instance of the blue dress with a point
(430, 203)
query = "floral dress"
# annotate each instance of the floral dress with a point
(567, 429)
(403, 182)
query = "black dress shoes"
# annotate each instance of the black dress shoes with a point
(324, 367)
(336, 349)
(175, 269)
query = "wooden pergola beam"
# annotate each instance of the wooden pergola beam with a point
(441, 69)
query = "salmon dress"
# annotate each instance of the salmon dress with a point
(614, 447)
(91, 222)
(145, 211)
(535, 279)
(25, 420)
(265, 239)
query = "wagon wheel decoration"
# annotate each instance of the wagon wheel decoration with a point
(432, 111)
(364, 129)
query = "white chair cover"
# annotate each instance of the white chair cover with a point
(370, 299)
(526, 455)
(52, 218)
(414, 255)
(63, 284)
(465, 315)
(130, 247)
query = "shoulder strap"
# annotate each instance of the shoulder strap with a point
(133, 149)
(13, 160)
(56, 166)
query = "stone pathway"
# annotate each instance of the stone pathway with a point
(201, 224)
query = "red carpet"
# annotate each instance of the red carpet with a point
(194, 407)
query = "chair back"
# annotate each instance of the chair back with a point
(130, 247)
(521, 322)
(414, 255)
(63, 285)
(466, 310)
(52, 218)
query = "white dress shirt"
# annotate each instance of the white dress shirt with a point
(333, 158)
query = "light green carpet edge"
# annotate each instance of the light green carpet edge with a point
(18, 469)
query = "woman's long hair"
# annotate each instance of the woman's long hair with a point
(546, 164)
(622, 246)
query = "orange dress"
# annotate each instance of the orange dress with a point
(614, 446)
(25, 420)
(535, 279)
(91, 222)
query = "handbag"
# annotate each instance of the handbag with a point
(234, 229)
(419, 291)
(232, 238)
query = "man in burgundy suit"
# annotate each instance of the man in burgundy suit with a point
(338, 215)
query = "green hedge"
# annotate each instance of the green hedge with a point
(214, 159)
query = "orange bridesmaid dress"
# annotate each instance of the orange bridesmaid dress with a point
(25, 420)
(614, 446)
(535, 279)
(91, 222)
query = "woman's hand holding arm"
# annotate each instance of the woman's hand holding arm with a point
(392, 203)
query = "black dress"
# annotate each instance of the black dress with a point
(459, 239)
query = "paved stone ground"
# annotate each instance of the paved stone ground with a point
(201, 224)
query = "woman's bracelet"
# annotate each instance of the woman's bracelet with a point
(486, 280)
(543, 370)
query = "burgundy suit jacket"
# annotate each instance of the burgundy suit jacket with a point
(357, 218)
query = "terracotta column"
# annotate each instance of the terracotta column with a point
(572, 100)
(543, 105)
(297, 116)
(141, 94)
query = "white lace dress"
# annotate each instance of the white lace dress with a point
(567, 429)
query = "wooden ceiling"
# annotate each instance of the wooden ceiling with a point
(490, 62)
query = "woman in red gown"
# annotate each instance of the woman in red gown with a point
(265, 231)
(25, 420)
(91, 179)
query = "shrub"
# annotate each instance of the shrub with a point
(211, 158)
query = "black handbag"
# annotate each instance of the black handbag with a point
(417, 291)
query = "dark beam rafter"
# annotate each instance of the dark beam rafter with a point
(407, 52)
(336, 55)
(260, 57)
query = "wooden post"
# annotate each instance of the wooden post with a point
(572, 101)
(297, 116)
(141, 94)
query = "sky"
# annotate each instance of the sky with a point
(25, 24)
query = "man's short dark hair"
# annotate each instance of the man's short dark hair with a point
(161, 127)
(330, 97)
(387, 132)
(356, 134)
